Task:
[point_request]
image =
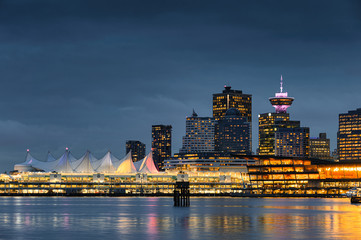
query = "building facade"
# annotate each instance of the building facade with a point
(292, 141)
(233, 133)
(278, 136)
(230, 98)
(320, 147)
(266, 131)
(199, 134)
(161, 144)
(137, 148)
(349, 135)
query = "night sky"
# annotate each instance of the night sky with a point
(93, 74)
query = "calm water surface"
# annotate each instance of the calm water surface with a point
(156, 218)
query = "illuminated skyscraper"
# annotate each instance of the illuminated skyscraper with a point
(292, 141)
(349, 135)
(233, 134)
(137, 148)
(232, 99)
(266, 135)
(161, 143)
(320, 147)
(277, 134)
(199, 134)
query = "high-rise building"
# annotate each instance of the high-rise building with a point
(266, 134)
(230, 98)
(161, 144)
(277, 134)
(292, 142)
(233, 133)
(349, 135)
(320, 147)
(199, 134)
(334, 155)
(137, 148)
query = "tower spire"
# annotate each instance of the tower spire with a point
(281, 101)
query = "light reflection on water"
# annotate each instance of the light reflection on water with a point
(156, 218)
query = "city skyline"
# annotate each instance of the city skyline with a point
(93, 77)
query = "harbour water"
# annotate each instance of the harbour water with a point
(156, 218)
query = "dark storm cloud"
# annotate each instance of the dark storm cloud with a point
(92, 74)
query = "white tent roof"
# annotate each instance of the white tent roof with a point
(85, 165)
(106, 164)
(137, 164)
(63, 163)
(30, 160)
(126, 164)
(50, 157)
(116, 162)
(148, 165)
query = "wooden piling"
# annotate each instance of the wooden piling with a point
(181, 194)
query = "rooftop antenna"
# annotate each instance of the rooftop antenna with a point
(281, 84)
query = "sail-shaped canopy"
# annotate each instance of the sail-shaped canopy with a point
(126, 165)
(85, 165)
(40, 165)
(106, 164)
(63, 164)
(50, 163)
(138, 164)
(27, 165)
(29, 159)
(116, 162)
(50, 157)
(148, 165)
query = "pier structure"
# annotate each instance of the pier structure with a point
(181, 194)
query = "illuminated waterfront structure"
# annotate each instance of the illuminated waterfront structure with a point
(230, 98)
(281, 176)
(89, 176)
(161, 143)
(199, 134)
(137, 149)
(278, 136)
(233, 133)
(349, 135)
(320, 147)
(236, 174)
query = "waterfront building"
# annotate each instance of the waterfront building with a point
(161, 143)
(136, 148)
(284, 176)
(230, 98)
(233, 133)
(204, 155)
(349, 135)
(232, 167)
(320, 147)
(199, 134)
(217, 175)
(278, 135)
(112, 177)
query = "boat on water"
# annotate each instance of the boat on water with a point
(356, 198)
(351, 192)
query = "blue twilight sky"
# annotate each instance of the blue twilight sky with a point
(92, 74)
